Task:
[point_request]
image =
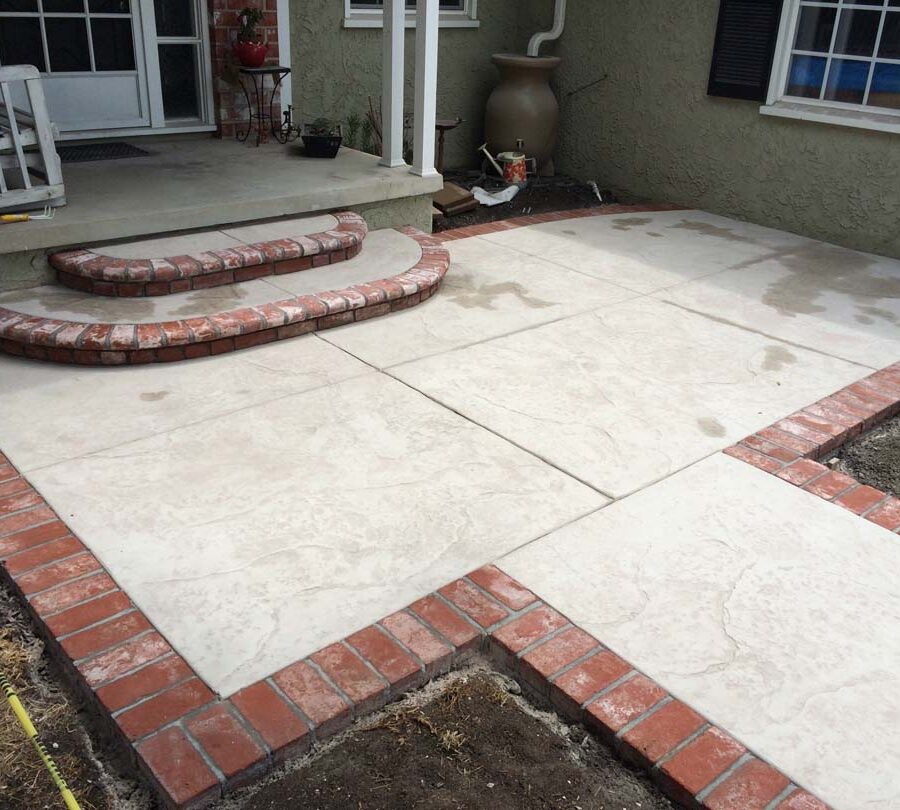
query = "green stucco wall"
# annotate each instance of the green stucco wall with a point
(335, 69)
(650, 130)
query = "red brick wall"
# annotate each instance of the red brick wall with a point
(230, 105)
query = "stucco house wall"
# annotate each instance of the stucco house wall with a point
(646, 129)
(650, 130)
(336, 69)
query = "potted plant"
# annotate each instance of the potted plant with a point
(322, 138)
(249, 48)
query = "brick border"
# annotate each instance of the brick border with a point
(793, 447)
(452, 234)
(94, 273)
(194, 746)
(110, 344)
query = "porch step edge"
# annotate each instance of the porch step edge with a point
(91, 272)
(113, 344)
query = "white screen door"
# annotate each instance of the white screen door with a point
(91, 55)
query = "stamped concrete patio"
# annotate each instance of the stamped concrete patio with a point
(559, 409)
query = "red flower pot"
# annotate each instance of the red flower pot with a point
(251, 54)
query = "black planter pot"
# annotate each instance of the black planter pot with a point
(322, 146)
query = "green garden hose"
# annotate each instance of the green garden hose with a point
(28, 726)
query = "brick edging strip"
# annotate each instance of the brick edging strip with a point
(94, 273)
(552, 216)
(61, 341)
(792, 448)
(194, 746)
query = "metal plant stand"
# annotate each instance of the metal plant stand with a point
(259, 111)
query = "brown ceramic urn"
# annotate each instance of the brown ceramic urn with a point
(523, 108)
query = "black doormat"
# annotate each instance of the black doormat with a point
(86, 152)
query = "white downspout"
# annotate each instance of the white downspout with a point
(559, 22)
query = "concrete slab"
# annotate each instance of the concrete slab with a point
(647, 251)
(140, 401)
(385, 253)
(197, 182)
(52, 301)
(282, 228)
(628, 394)
(202, 241)
(838, 301)
(165, 246)
(767, 609)
(490, 291)
(252, 539)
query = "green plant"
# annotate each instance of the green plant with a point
(324, 126)
(354, 122)
(367, 143)
(250, 17)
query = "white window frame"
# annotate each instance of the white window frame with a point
(356, 15)
(823, 111)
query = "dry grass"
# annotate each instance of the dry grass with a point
(24, 780)
(402, 722)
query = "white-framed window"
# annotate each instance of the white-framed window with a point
(368, 13)
(838, 61)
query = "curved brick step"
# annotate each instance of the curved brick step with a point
(100, 271)
(104, 343)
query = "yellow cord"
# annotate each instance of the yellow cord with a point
(25, 722)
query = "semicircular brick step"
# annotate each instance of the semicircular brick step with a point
(211, 258)
(365, 287)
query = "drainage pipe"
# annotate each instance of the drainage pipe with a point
(559, 22)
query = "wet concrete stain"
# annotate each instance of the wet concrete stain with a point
(52, 302)
(570, 233)
(484, 296)
(217, 299)
(711, 426)
(815, 268)
(708, 229)
(655, 234)
(154, 396)
(627, 223)
(777, 358)
(872, 314)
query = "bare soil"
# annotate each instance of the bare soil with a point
(542, 195)
(466, 741)
(874, 457)
(87, 762)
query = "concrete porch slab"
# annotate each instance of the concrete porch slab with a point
(254, 538)
(630, 393)
(647, 251)
(141, 401)
(199, 182)
(492, 290)
(767, 609)
(825, 297)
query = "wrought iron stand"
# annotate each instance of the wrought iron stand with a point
(260, 112)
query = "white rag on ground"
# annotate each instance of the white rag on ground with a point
(497, 198)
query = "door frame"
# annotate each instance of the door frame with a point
(147, 59)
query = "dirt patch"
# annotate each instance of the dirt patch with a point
(468, 740)
(543, 195)
(89, 765)
(874, 457)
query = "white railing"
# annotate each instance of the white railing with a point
(27, 147)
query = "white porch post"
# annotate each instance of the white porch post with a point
(392, 83)
(425, 114)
